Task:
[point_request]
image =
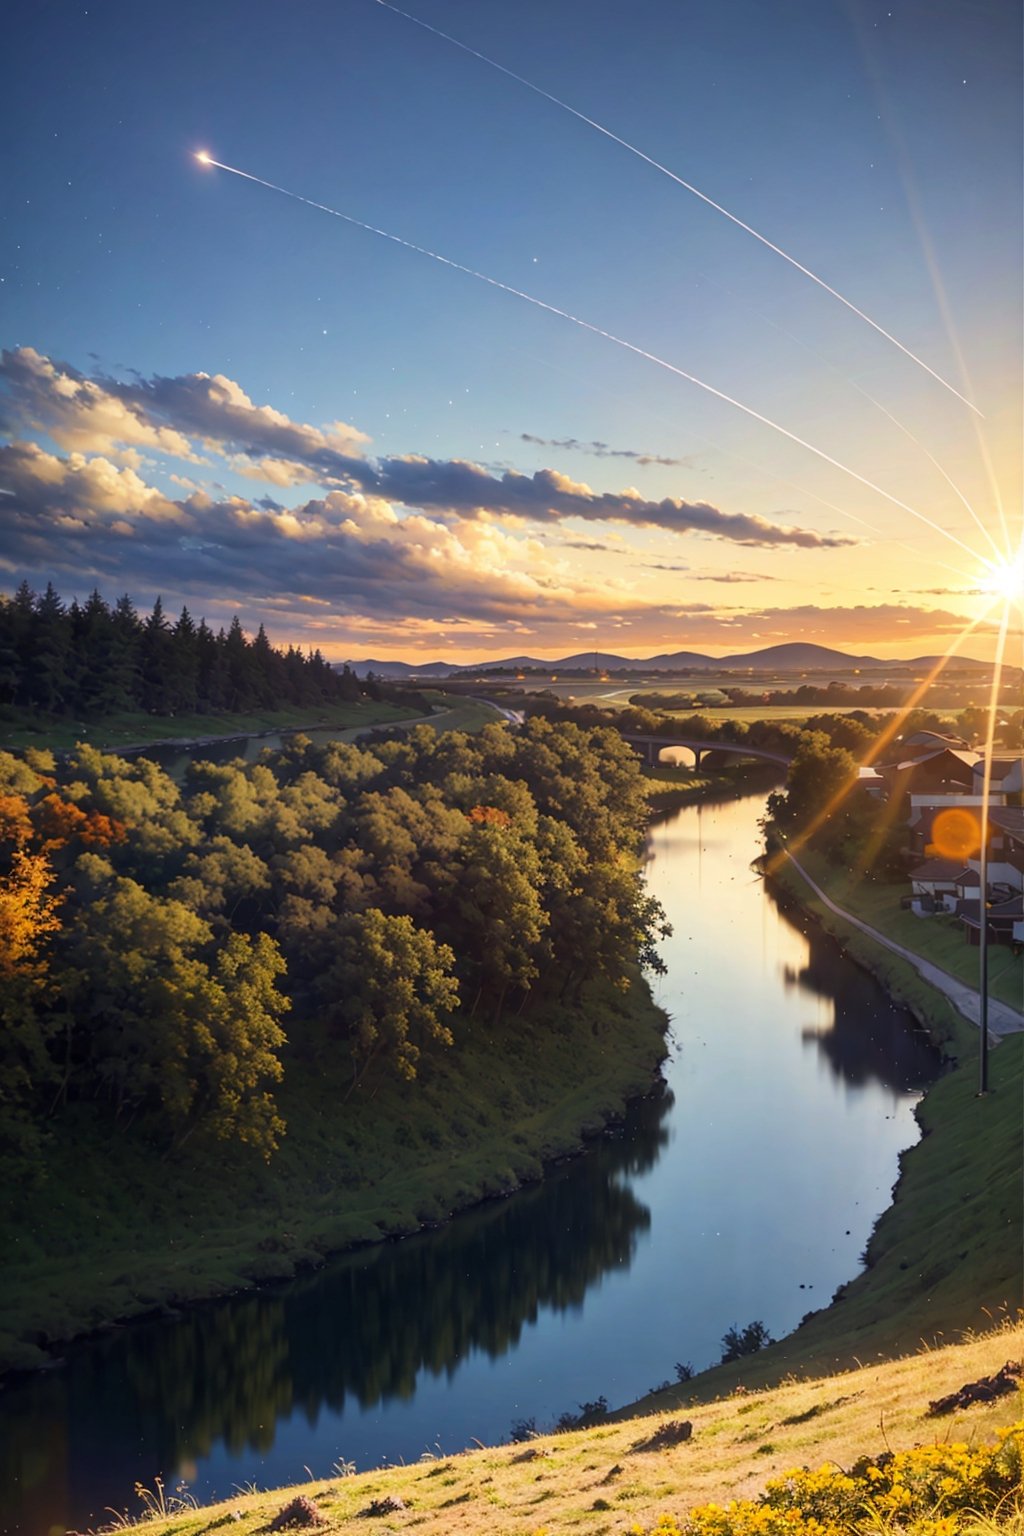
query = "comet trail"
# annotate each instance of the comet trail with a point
(689, 187)
(205, 158)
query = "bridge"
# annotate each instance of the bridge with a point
(650, 749)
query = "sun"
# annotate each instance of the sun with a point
(1005, 578)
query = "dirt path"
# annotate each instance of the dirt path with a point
(1002, 1019)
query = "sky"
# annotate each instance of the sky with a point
(220, 394)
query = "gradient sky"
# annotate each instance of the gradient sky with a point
(216, 393)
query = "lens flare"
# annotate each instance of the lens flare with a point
(956, 834)
(1005, 578)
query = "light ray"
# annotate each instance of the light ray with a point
(826, 362)
(933, 460)
(618, 341)
(879, 745)
(904, 165)
(689, 187)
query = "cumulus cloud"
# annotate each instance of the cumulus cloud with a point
(163, 413)
(174, 414)
(77, 412)
(599, 450)
(74, 516)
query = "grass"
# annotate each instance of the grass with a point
(598, 1482)
(24, 728)
(670, 787)
(939, 939)
(113, 1232)
(466, 715)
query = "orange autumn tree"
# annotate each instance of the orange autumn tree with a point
(28, 915)
(28, 912)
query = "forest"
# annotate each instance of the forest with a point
(91, 660)
(166, 949)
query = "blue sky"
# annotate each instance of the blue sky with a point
(878, 143)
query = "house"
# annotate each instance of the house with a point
(1005, 920)
(1006, 847)
(934, 886)
(1006, 779)
(934, 775)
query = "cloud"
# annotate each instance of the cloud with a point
(860, 625)
(727, 578)
(76, 517)
(164, 413)
(173, 414)
(462, 487)
(75, 411)
(947, 592)
(599, 450)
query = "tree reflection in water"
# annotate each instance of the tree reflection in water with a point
(154, 1397)
(868, 1039)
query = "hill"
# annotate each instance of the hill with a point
(622, 1476)
(793, 656)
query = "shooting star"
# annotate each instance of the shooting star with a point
(206, 159)
(689, 187)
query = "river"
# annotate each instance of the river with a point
(745, 1189)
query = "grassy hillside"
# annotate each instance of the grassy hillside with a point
(603, 1482)
(26, 728)
(113, 1231)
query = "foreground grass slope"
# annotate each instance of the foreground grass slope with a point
(602, 1483)
(114, 1232)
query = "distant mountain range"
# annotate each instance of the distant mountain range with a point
(793, 657)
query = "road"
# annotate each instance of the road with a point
(1002, 1019)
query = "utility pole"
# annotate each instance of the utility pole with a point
(983, 942)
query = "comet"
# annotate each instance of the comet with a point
(687, 186)
(203, 157)
(596, 330)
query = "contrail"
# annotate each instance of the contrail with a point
(656, 164)
(596, 330)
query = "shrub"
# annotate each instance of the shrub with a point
(933, 1490)
(736, 1344)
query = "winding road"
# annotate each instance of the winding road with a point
(1002, 1019)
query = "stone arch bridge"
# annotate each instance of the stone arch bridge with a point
(650, 749)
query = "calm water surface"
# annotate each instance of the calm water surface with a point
(746, 1189)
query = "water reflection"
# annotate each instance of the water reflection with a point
(867, 1039)
(162, 1396)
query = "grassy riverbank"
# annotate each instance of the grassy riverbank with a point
(26, 728)
(113, 1232)
(604, 1481)
(670, 788)
(939, 939)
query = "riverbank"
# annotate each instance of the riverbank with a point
(944, 1259)
(670, 788)
(114, 1233)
